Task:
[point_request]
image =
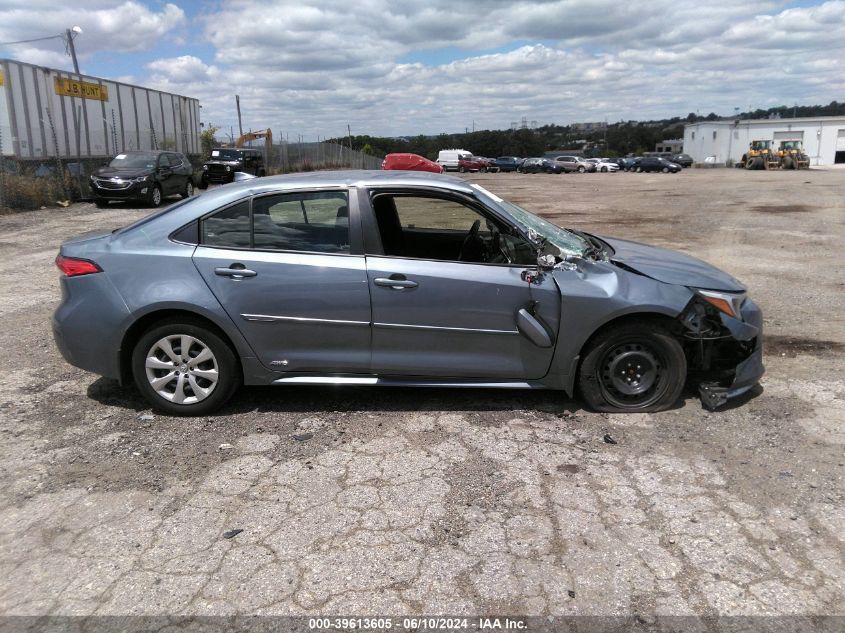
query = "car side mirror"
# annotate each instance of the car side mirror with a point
(546, 262)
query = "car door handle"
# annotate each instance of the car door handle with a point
(396, 282)
(235, 271)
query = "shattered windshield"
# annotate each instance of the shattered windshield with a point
(567, 242)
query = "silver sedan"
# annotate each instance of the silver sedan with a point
(395, 278)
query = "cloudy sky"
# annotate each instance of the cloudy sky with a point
(395, 67)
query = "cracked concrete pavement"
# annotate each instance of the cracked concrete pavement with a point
(380, 502)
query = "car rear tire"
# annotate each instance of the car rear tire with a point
(154, 197)
(184, 368)
(189, 189)
(639, 170)
(637, 366)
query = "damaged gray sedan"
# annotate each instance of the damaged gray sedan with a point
(395, 279)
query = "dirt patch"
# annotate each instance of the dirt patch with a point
(791, 346)
(782, 208)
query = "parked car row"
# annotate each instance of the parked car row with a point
(152, 176)
(462, 161)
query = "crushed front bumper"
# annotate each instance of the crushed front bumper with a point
(748, 372)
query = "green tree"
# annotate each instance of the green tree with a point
(207, 141)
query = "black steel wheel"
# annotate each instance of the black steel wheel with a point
(635, 366)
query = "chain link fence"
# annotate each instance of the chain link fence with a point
(288, 157)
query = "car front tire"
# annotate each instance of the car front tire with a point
(637, 366)
(184, 368)
(154, 197)
(101, 203)
(188, 191)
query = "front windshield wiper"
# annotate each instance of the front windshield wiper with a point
(592, 246)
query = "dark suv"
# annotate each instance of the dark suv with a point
(148, 176)
(225, 161)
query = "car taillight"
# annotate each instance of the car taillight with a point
(74, 267)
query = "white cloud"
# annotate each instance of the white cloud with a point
(313, 66)
(107, 26)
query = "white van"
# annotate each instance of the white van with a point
(448, 158)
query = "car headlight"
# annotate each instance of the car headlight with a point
(728, 302)
(205, 167)
(140, 179)
(228, 168)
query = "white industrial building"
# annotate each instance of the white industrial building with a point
(728, 140)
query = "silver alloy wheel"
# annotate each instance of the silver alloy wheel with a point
(181, 369)
(189, 189)
(156, 196)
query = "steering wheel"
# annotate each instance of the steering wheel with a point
(472, 237)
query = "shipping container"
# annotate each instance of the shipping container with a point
(48, 113)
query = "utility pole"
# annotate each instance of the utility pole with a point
(349, 132)
(240, 125)
(71, 33)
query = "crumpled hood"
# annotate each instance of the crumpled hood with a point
(671, 267)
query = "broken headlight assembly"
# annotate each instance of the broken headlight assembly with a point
(728, 302)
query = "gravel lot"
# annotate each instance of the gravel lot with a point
(379, 502)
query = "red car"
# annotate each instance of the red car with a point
(410, 162)
(471, 163)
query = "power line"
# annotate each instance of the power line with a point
(61, 36)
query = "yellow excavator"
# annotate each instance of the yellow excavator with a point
(267, 135)
(791, 155)
(761, 155)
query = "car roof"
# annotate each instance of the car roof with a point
(357, 178)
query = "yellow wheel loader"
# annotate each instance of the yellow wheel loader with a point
(791, 155)
(760, 155)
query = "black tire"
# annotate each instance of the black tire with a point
(261, 173)
(188, 191)
(607, 380)
(604, 170)
(639, 170)
(224, 360)
(154, 198)
(665, 170)
(101, 203)
(483, 170)
(581, 169)
(461, 169)
(203, 184)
